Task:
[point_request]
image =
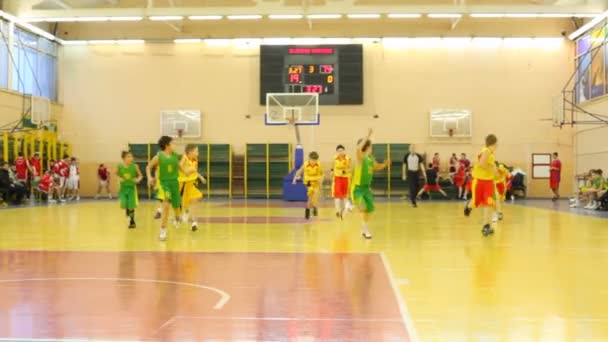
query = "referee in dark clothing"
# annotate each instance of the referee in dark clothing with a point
(413, 168)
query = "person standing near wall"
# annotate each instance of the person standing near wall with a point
(556, 173)
(413, 168)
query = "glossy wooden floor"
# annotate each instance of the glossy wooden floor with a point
(541, 277)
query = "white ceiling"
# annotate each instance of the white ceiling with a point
(82, 4)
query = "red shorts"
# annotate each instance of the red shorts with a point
(459, 182)
(435, 187)
(340, 187)
(469, 186)
(483, 193)
(554, 184)
(500, 188)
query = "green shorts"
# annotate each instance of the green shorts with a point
(171, 193)
(128, 197)
(364, 198)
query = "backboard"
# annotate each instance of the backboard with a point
(186, 122)
(451, 123)
(40, 110)
(301, 108)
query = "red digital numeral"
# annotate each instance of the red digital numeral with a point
(295, 78)
(313, 89)
(326, 68)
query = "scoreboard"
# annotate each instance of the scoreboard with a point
(310, 78)
(335, 72)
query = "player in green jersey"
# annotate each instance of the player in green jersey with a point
(362, 180)
(168, 165)
(128, 176)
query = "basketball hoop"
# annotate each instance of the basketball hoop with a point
(180, 133)
(291, 121)
(451, 132)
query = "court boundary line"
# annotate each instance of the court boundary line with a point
(181, 251)
(405, 314)
(224, 296)
(575, 212)
(43, 339)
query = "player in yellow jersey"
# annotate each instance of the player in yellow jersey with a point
(188, 184)
(501, 190)
(313, 177)
(484, 190)
(340, 186)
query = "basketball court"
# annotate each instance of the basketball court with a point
(246, 90)
(273, 277)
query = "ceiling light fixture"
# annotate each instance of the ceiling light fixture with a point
(166, 17)
(444, 15)
(363, 16)
(404, 15)
(245, 17)
(324, 16)
(205, 17)
(285, 16)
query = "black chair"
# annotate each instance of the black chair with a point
(518, 187)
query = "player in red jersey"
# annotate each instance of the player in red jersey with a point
(341, 180)
(35, 166)
(35, 171)
(556, 176)
(103, 177)
(460, 179)
(432, 182)
(61, 170)
(45, 187)
(22, 167)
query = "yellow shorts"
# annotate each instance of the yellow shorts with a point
(313, 188)
(189, 193)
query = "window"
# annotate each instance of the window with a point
(35, 65)
(541, 165)
(3, 54)
(592, 64)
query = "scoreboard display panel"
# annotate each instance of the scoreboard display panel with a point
(335, 72)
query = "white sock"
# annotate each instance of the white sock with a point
(364, 228)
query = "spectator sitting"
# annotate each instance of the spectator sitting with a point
(598, 184)
(13, 190)
(12, 172)
(594, 184)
